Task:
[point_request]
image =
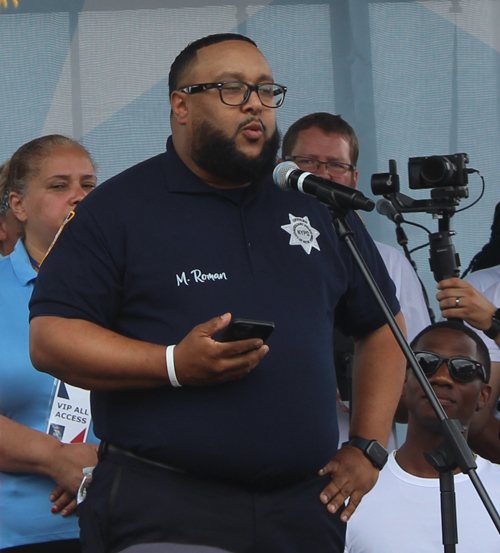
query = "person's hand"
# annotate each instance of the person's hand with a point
(202, 361)
(353, 475)
(64, 502)
(460, 300)
(67, 471)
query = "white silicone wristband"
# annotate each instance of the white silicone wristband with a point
(169, 355)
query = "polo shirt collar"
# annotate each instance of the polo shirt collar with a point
(182, 180)
(21, 264)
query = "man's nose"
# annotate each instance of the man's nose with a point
(253, 103)
(442, 375)
(322, 172)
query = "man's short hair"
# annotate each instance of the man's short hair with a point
(188, 56)
(328, 123)
(481, 349)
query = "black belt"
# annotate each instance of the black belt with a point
(106, 447)
(110, 450)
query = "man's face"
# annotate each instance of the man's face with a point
(317, 144)
(230, 141)
(459, 399)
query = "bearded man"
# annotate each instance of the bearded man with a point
(230, 445)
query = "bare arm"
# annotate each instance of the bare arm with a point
(23, 449)
(379, 367)
(379, 372)
(86, 355)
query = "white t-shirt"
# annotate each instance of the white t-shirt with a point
(411, 299)
(402, 514)
(487, 281)
(408, 289)
(483, 279)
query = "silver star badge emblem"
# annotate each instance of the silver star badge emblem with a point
(302, 233)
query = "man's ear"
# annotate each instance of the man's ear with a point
(178, 103)
(16, 204)
(484, 396)
(401, 414)
(355, 174)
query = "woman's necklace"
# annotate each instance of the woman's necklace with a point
(34, 264)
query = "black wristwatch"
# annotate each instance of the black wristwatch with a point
(494, 329)
(373, 450)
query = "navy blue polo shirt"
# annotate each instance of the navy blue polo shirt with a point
(155, 251)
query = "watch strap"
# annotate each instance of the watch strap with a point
(494, 329)
(374, 451)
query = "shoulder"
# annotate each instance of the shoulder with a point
(390, 253)
(395, 260)
(146, 171)
(484, 278)
(5, 268)
(125, 196)
(492, 293)
(483, 465)
(16, 267)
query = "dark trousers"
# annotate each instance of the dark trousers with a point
(129, 502)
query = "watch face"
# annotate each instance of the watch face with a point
(373, 450)
(377, 454)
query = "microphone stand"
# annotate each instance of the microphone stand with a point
(454, 451)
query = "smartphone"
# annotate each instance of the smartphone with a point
(243, 329)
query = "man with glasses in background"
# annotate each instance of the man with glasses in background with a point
(402, 514)
(231, 445)
(326, 145)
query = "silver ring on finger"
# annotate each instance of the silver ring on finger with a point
(457, 302)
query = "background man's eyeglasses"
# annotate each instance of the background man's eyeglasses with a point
(461, 369)
(237, 93)
(313, 165)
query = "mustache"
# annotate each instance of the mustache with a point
(253, 120)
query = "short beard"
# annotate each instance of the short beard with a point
(217, 154)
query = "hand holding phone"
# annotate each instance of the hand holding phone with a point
(244, 329)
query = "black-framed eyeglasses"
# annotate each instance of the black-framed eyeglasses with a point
(312, 165)
(461, 369)
(237, 93)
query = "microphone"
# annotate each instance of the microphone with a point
(288, 176)
(384, 207)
